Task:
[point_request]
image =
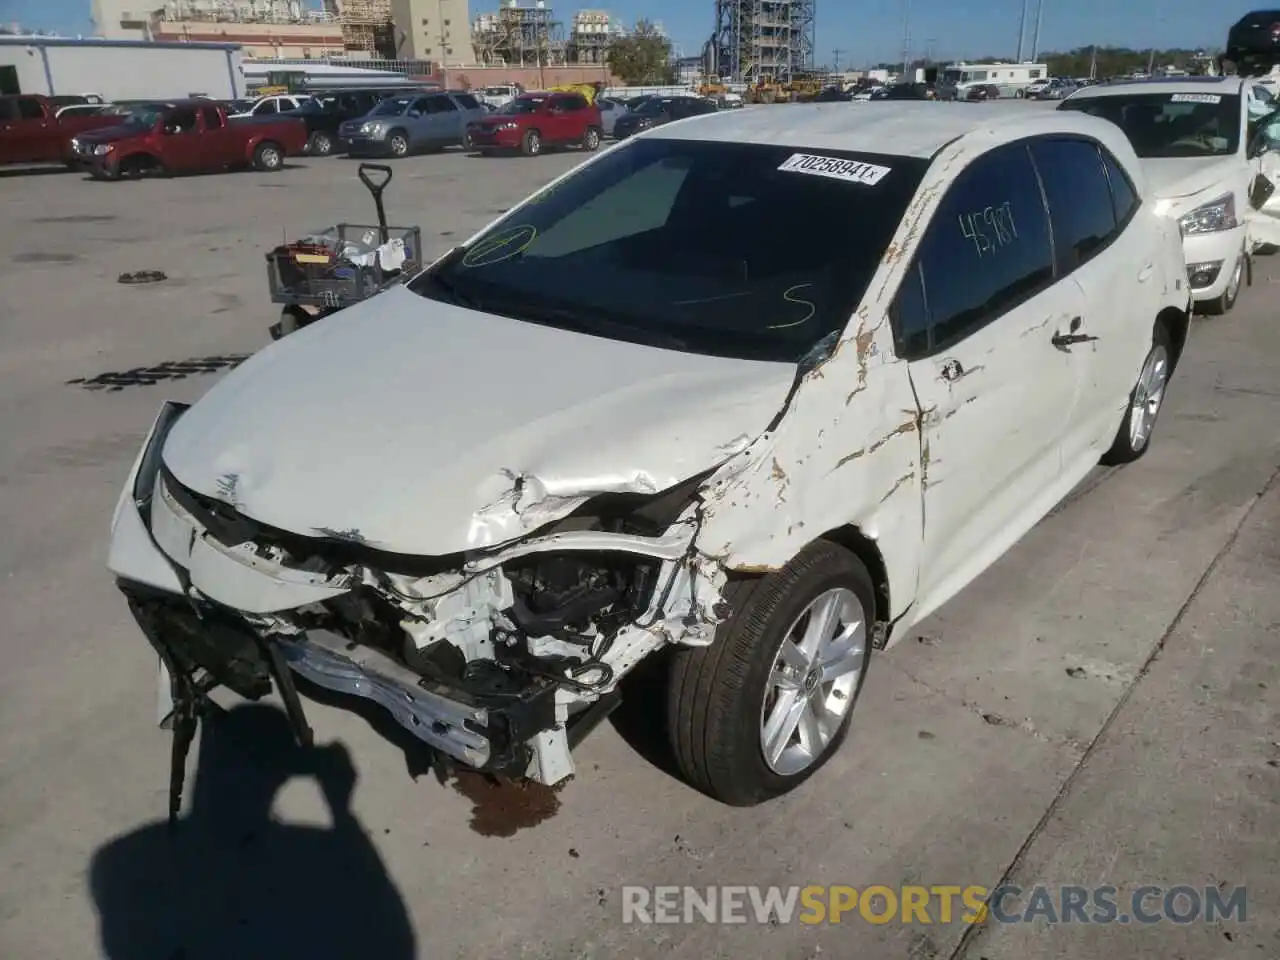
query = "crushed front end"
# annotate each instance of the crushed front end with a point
(499, 658)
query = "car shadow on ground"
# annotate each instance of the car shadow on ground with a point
(231, 881)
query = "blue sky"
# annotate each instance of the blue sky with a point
(866, 30)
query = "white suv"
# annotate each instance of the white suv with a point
(1194, 139)
(621, 419)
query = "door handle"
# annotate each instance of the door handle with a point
(1145, 273)
(1064, 340)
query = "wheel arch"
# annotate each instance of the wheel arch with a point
(851, 538)
(1176, 323)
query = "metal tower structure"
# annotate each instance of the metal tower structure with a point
(763, 39)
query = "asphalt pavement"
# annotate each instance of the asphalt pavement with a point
(1098, 708)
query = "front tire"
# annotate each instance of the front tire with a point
(768, 703)
(1146, 400)
(1223, 303)
(398, 143)
(531, 145)
(591, 140)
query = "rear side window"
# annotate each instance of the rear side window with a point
(266, 107)
(1124, 199)
(467, 101)
(575, 102)
(441, 105)
(987, 250)
(212, 118)
(30, 109)
(1079, 196)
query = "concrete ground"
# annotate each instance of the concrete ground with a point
(1100, 707)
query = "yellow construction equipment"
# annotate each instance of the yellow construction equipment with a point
(588, 90)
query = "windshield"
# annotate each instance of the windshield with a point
(734, 250)
(1161, 125)
(652, 108)
(144, 115)
(392, 106)
(523, 105)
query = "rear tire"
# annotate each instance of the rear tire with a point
(591, 140)
(320, 145)
(268, 156)
(1146, 400)
(531, 145)
(725, 701)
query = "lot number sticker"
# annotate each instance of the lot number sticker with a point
(1196, 98)
(851, 171)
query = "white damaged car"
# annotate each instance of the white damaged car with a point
(763, 389)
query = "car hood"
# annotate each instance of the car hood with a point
(423, 428)
(110, 133)
(1173, 178)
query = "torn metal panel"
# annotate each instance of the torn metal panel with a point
(827, 464)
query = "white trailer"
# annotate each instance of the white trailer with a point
(1012, 79)
(120, 69)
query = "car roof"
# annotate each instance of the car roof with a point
(909, 129)
(1225, 85)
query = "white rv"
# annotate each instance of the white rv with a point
(1012, 78)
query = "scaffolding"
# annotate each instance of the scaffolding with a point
(763, 40)
(519, 36)
(590, 35)
(243, 11)
(366, 25)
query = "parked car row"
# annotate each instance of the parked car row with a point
(1009, 311)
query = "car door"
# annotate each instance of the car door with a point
(974, 320)
(33, 134)
(184, 144)
(221, 146)
(561, 116)
(1263, 216)
(446, 120)
(1116, 271)
(417, 122)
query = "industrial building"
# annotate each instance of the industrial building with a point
(530, 35)
(755, 40)
(120, 69)
(435, 30)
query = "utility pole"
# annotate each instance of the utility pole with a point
(1022, 28)
(835, 61)
(906, 39)
(1035, 37)
(928, 50)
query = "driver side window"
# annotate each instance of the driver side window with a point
(986, 250)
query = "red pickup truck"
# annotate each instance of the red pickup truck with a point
(30, 131)
(187, 136)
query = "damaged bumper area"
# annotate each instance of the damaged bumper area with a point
(501, 658)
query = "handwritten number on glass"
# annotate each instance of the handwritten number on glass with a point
(990, 229)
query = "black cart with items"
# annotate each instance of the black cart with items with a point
(343, 264)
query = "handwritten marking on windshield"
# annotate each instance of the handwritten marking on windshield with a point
(787, 296)
(501, 246)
